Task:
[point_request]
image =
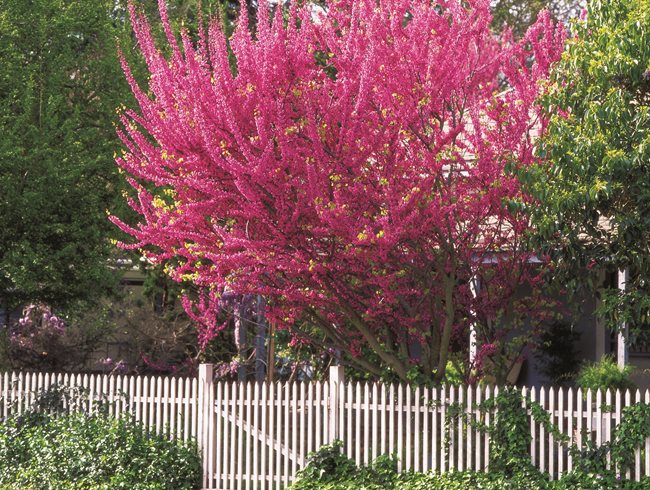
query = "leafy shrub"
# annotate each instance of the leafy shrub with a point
(463, 480)
(605, 374)
(349, 477)
(328, 468)
(509, 435)
(454, 375)
(46, 450)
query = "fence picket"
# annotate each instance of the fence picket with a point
(148, 400)
(409, 416)
(239, 422)
(265, 422)
(186, 407)
(253, 477)
(579, 417)
(646, 400)
(165, 405)
(435, 431)
(551, 439)
(226, 439)
(271, 469)
(416, 447)
(560, 425)
(542, 433)
(599, 418)
(391, 420)
(400, 428)
(637, 451)
(570, 428)
(231, 422)
(303, 418)
(477, 441)
(608, 422)
(426, 412)
(366, 424)
(384, 422)
(40, 385)
(33, 389)
(324, 410)
(341, 408)
(450, 433)
(617, 410)
(173, 409)
(357, 425)
(111, 394)
(194, 406)
(285, 409)
(219, 443)
(294, 427)
(627, 404)
(469, 436)
(318, 409)
(460, 456)
(310, 414)
(375, 423)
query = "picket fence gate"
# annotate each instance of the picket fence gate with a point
(258, 435)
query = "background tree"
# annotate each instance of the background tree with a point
(595, 197)
(519, 15)
(332, 173)
(59, 87)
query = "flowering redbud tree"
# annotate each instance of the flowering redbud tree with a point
(350, 164)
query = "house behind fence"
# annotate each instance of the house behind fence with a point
(258, 435)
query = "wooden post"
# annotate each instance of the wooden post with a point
(336, 379)
(205, 415)
(622, 355)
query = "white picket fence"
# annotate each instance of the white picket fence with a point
(165, 405)
(257, 436)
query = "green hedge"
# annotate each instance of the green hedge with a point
(81, 451)
(328, 469)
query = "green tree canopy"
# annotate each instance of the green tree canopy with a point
(60, 82)
(520, 14)
(595, 196)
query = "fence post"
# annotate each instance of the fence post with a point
(336, 379)
(205, 414)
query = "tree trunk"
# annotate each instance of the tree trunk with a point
(446, 334)
(260, 341)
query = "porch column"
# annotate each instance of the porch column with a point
(473, 347)
(622, 355)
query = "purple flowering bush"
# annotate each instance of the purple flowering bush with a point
(42, 339)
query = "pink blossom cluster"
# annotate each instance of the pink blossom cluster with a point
(355, 170)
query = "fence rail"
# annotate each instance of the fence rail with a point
(258, 435)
